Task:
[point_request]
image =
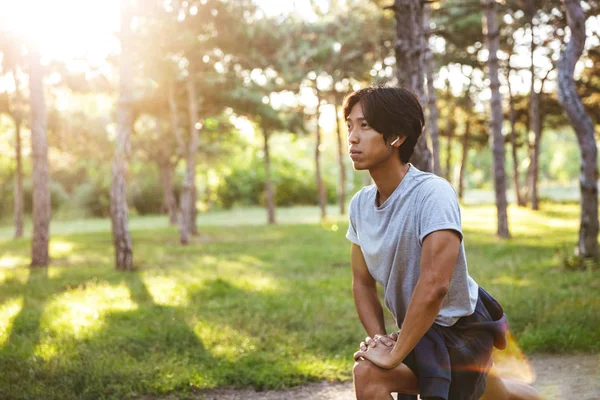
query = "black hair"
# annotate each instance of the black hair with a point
(391, 111)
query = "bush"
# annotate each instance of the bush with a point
(94, 197)
(58, 195)
(146, 197)
(294, 184)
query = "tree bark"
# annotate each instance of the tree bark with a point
(463, 160)
(269, 192)
(189, 183)
(537, 124)
(41, 174)
(320, 185)
(534, 120)
(194, 225)
(18, 188)
(118, 190)
(584, 129)
(167, 172)
(409, 51)
(433, 114)
(342, 166)
(451, 128)
(490, 26)
(513, 141)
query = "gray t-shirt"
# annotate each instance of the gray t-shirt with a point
(391, 238)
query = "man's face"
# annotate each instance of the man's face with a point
(366, 146)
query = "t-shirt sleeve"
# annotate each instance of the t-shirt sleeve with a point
(438, 209)
(352, 234)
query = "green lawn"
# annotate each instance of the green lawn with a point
(247, 304)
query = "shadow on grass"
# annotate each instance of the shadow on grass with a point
(150, 349)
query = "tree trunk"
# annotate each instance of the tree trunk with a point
(409, 51)
(342, 166)
(175, 118)
(18, 188)
(270, 195)
(320, 185)
(41, 175)
(513, 141)
(194, 225)
(463, 160)
(490, 26)
(451, 128)
(433, 128)
(584, 128)
(118, 190)
(537, 123)
(167, 171)
(534, 120)
(189, 182)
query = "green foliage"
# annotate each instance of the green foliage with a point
(294, 183)
(567, 257)
(58, 195)
(93, 196)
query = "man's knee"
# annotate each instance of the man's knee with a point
(366, 382)
(362, 370)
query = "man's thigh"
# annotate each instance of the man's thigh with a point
(397, 380)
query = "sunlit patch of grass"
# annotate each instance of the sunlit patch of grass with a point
(47, 349)
(511, 280)
(8, 312)
(14, 276)
(59, 248)
(224, 341)
(166, 291)
(79, 312)
(13, 261)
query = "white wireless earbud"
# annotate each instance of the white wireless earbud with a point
(394, 142)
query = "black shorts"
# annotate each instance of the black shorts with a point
(452, 363)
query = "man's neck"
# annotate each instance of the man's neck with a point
(387, 178)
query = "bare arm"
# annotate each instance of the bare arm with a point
(364, 289)
(438, 257)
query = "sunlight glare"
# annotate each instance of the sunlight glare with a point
(64, 29)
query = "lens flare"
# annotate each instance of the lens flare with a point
(512, 362)
(329, 224)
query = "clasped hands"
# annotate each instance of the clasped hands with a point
(378, 350)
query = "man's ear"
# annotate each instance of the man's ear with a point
(398, 141)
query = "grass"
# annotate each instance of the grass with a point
(247, 304)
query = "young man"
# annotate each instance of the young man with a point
(406, 235)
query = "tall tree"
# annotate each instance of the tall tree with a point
(41, 173)
(584, 129)
(188, 191)
(513, 137)
(490, 19)
(537, 124)
(322, 195)
(534, 106)
(11, 49)
(432, 127)
(341, 156)
(16, 112)
(410, 52)
(118, 191)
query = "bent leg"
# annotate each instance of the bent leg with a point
(498, 388)
(374, 383)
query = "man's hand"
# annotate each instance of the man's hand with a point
(380, 356)
(386, 340)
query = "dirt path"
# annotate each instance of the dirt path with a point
(557, 378)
